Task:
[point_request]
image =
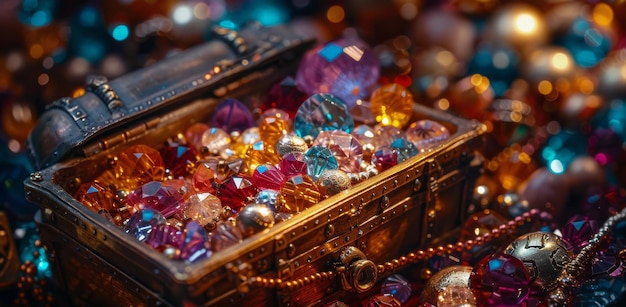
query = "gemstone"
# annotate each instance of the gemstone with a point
(223, 168)
(237, 191)
(280, 114)
(454, 296)
(333, 181)
(346, 149)
(426, 133)
(600, 292)
(224, 235)
(183, 186)
(293, 164)
(385, 135)
(347, 68)
(195, 245)
(260, 153)
(271, 129)
(194, 133)
(578, 230)
(392, 105)
(319, 159)
(365, 134)
(267, 198)
(405, 149)
(154, 195)
(297, 194)
(384, 158)
(383, 300)
(290, 144)
(232, 115)
(481, 223)
(362, 112)
(250, 136)
(396, 286)
(455, 278)
(286, 96)
(178, 159)
(95, 196)
(254, 218)
(322, 112)
(163, 235)
(438, 262)
(605, 264)
(267, 176)
(500, 280)
(215, 142)
(204, 178)
(139, 164)
(141, 223)
(204, 208)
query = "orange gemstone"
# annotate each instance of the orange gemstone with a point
(298, 193)
(95, 196)
(139, 164)
(392, 105)
(260, 154)
(272, 129)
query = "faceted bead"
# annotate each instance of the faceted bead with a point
(297, 194)
(204, 179)
(385, 135)
(232, 115)
(392, 105)
(178, 159)
(383, 300)
(215, 142)
(605, 264)
(286, 96)
(267, 176)
(290, 144)
(141, 223)
(293, 164)
(225, 235)
(260, 154)
(405, 149)
(164, 235)
(139, 164)
(396, 286)
(194, 133)
(250, 136)
(384, 158)
(271, 129)
(500, 280)
(254, 218)
(362, 112)
(347, 68)
(319, 159)
(203, 208)
(578, 230)
(195, 245)
(183, 186)
(95, 196)
(280, 114)
(224, 168)
(346, 149)
(154, 195)
(365, 134)
(267, 198)
(237, 191)
(426, 133)
(322, 112)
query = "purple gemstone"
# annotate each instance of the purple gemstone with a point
(500, 280)
(293, 165)
(164, 235)
(605, 263)
(177, 158)
(195, 245)
(225, 235)
(142, 222)
(232, 115)
(578, 230)
(347, 68)
(398, 287)
(155, 195)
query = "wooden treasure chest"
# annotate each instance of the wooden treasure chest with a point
(342, 244)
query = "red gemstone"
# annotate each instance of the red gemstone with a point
(286, 96)
(155, 195)
(385, 158)
(293, 165)
(267, 176)
(178, 159)
(237, 191)
(204, 179)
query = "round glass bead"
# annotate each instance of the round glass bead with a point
(322, 112)
(588, 45)
(426, 133)
(500, 280)
(346, 149)
(392, 105)
(232, 115)
(498, 63)
(194, 133)
(346, 68)
(298, 193)
(319, 159)
(396, 286)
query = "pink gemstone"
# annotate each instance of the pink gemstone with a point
(286, 96)
(195, 244)
(178, 159)
(362, 112)
(385, 135)
(232, 115)
(385, 158)
(194, 134)
(237, 191)
(365, 134)
(426, 133)
(164, 235)
(346, 148)
(267, 176)
(292, 165)
(578, 230)
(155, 195)
(225, 235)
(500, 280)
(382, 300)
(203, 208)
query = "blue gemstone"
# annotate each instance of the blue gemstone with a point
(319, 159)
(330, 52)
(404, 149)
(140, 224)
(322, 112)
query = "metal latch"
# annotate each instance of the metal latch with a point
(355, 271)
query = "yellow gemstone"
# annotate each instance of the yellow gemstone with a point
(272, 129)
(259, 154)
(392, 105)
(298, 193)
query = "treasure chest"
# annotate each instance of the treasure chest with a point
(343, 245)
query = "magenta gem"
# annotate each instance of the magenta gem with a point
(293, 165)
(384, 158)
(164, 235)
(267, 176)
(578, 230)
(195, 245)
(285, 95)
(142, 222)
(500, 280)
(237, 191)
(398, 287)
(232, 115)
(177, 158)
(155, 195)
(225, 235)
(347, 68)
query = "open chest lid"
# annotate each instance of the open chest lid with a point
(74, 127)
